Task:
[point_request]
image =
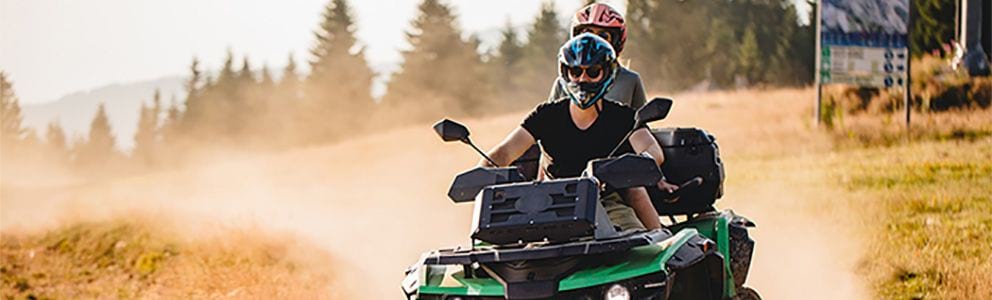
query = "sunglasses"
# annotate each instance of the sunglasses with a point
(594, 72)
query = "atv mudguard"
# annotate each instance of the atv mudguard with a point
(715, 225)
(655, 266)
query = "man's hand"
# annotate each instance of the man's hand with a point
(512, 147)
(667, 187)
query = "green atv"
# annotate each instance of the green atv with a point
(553, 239)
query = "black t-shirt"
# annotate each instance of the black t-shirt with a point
(570, 148)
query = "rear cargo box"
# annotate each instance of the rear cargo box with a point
(689, 152)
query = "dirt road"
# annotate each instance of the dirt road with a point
(377, 202)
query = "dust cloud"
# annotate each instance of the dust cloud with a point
(378, 201)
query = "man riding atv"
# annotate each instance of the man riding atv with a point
(558, 238)
(584, 125)
(604, 21)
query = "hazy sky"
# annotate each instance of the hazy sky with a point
(54, 47)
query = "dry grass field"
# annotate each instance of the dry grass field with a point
(132, 257)
(907, 218)
(930, 217)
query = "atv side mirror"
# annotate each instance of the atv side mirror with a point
(451, 131)
(656, 109)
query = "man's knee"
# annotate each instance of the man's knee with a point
(620, 214)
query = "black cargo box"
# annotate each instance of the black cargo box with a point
(556, 210)
(689, 152)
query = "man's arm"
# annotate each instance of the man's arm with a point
(642, 141)
(512, 147)
(638, 199)
(542, 165)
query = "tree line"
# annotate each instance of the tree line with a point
(674, 44)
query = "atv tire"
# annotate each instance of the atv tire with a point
(741, 248)
(746, 293)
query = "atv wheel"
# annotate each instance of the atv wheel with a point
(741, 248)
(746, 293)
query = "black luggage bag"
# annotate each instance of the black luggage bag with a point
(689, 152)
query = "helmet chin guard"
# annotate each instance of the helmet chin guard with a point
(585, 94)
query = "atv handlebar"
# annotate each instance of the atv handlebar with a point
(468, 184)
(689, 185)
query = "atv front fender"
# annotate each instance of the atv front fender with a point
(685, 255)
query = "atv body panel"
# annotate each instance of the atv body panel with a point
(646, 270)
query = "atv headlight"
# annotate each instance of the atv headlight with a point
(617, 292)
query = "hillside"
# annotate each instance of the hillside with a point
(75, 111)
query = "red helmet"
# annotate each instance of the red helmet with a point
(604, 17)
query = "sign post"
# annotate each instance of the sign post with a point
(863, 43)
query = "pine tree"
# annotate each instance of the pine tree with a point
(266, 82)
(99, 147)
(667, 39)
(56, 140)
(264, 91)
(286, 112)
(338, 90)
(678, 44)
(747, 56)
(146, 139)
(441, 73)
(170, 125)
(719, 65)
(246, 104)
(290, 84)
(800, 50)
(506, 66)
(510, 49)
(227, 73)
(11, 131)
(933, 25)
(224, 108)
(245, 76)
(544, 39)
(774, 40)
(641, 42)
(195, 105)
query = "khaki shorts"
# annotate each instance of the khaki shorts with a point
(620, 214)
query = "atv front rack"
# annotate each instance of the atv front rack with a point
(488, 255)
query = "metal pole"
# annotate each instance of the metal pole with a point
(816, 69)
(908, 95)
(909, 87)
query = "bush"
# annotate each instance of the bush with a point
(936, 87)
(947, 104)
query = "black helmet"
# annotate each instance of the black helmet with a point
(590, 54)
